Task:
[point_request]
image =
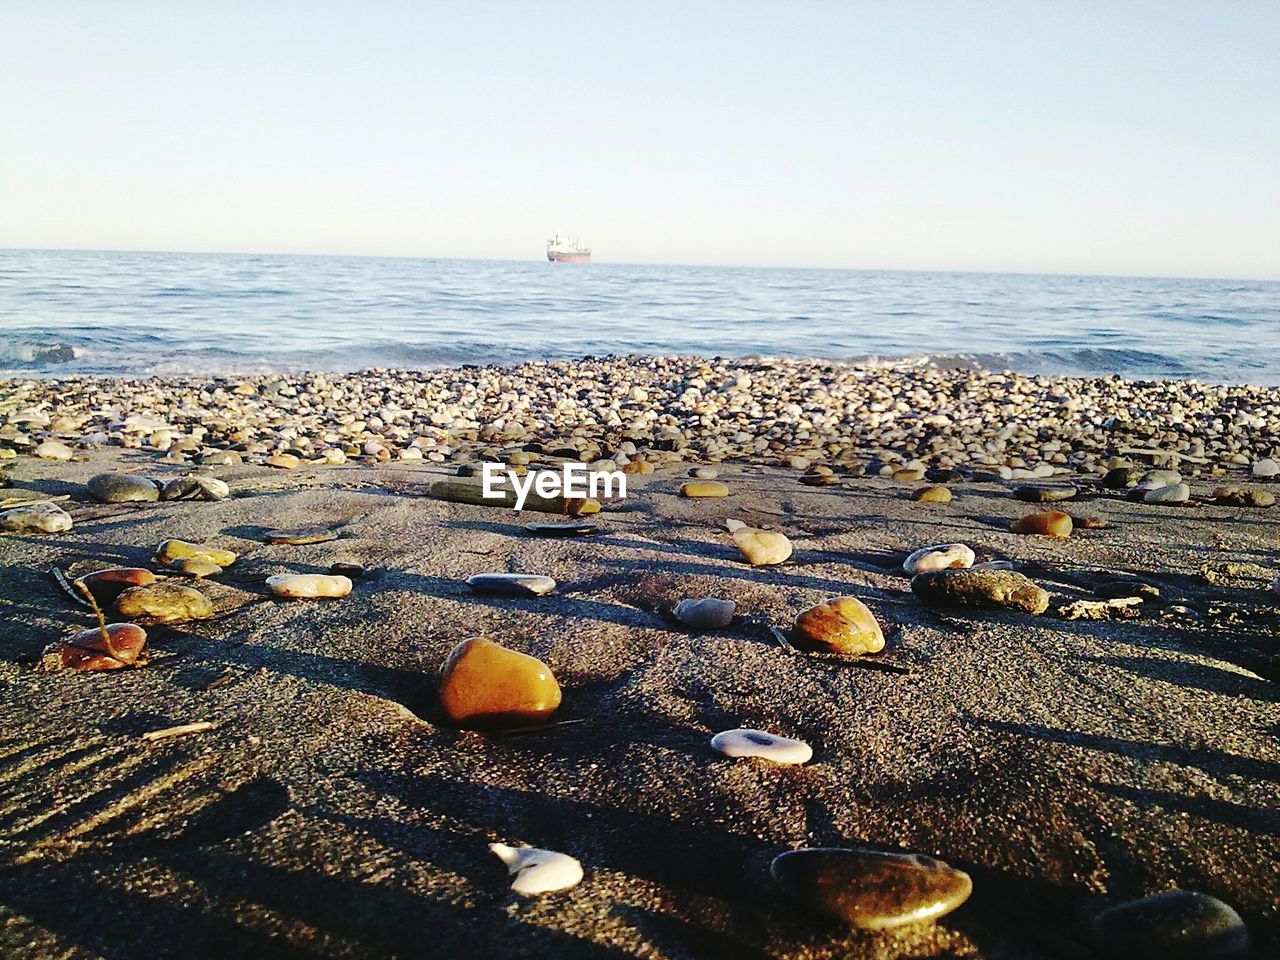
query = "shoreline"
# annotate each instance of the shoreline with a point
(1068, 764)
(757, 410)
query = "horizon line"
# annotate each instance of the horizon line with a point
(641, 263)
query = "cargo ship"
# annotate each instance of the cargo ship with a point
(563, 250)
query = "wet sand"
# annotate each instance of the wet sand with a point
(331, 812)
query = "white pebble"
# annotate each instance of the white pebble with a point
(761, 743)
(941, 556)
(538, 871)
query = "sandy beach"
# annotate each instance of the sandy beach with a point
(1067, 764)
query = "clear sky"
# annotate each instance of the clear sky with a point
(1111, 137)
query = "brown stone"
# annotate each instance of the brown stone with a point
(106, 585)
(483, 684)
(704, 488)
(931, 495)
(842, 625)
(1051, 523)
(87, 650)
(163, 603)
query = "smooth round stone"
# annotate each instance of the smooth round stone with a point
(87, 650)
(1051, 523)
(1120, 589)
(1044, 492)
(980, 589)
(704, 473)
(1265, 469)
(297, 536)
(797, 462)
(1178, 925)
(122, 488)
(483, 684)
(908, 475)
(283, 461)
(935, 494)
(221, 458)
(1160, 478)
(1120, 478)
(820, 479)
(171, 550)
(538, 871)
(762, 548)
(941, 556)
(195, 488)
(1172, 493)
(511, 584)
(36, 518)
(106, 585)
(347, 568)
(709, 613)
(1086, 522)
(872, 889)
(762, 744)
(697, 489)
(842, 625)
(637, 468)
(196, 567)
(53, 450)
(568, 528)
(309, 586)
(163, 603)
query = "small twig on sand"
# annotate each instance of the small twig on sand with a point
(200, 726)
(782, 639)
(538, 728)
(102, 621)
(66, 586)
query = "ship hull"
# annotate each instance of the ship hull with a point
(569, 257)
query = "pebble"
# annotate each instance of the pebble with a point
(872, 889)
(195, 487)
(171, 550)
(87, 649)
(196, 567)
(106, 585)
(762, 548)
(1120, 478)
(704, 488)
(1122, 588)
(1160, 478)
(843, 625)
(1241, 497)
(483, 684)
(1051, 523)
(283, 461)
(307, 586)
(1170, 493)
(637, 468)
(36, 518)
(1177, 925)
(1265, 468)
(1088, 522)
(53, 450)
(909, 475)
(538, 871)
(762, 744)
(568, 528)
(163, 603)
(709, 613)
(704, 473)
(122, 488)
(1044, 493)
(980, 589)
(815, 479)
(221, 458)
(297, 536)
(347, 568)
(941, 556)
(934, 494)
(511, 584)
